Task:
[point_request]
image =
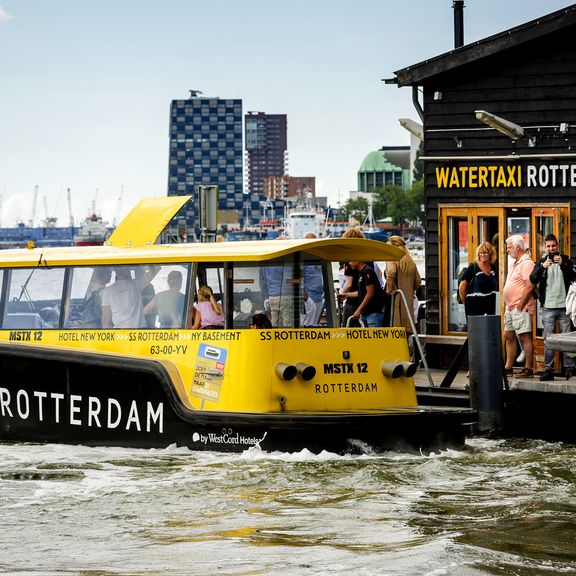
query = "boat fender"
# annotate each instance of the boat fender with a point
(408, 368)
(391, 369)
(285, 371)
(305, 371)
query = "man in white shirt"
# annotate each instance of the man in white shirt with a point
(122, 301)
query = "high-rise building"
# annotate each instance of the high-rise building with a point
(266, 148)
(205, 150)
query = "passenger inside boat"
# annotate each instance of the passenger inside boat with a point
(92, 312)
(167, 307)
(122, 305)
(209, 313)
(276, 283)
(260, 321)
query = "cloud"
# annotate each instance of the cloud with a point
(4, 16)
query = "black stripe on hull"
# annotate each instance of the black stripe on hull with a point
(76, 397)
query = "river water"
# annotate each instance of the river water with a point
(497, 508)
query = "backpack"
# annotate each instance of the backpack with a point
(461, 277)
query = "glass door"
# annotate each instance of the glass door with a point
(455, 255)
(465, 229)
(489, 230)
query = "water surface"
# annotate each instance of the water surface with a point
(498, 508)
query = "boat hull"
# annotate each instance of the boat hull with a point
(62, 396)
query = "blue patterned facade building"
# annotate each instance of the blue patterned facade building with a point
(205, 150)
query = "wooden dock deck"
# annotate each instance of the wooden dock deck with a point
(559, 385)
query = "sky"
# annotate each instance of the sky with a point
(86, 86)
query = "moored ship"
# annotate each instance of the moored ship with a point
(92, 231)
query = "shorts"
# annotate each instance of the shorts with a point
(519, 322)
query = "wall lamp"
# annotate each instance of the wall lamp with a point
(413, 127)
(513, 131)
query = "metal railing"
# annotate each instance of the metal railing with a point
(414, 330)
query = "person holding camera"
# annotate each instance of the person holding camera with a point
(553, 274)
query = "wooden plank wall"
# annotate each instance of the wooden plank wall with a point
(533, 85)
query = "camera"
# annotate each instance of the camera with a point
(553, 255)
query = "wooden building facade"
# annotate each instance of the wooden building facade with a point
(484, 182)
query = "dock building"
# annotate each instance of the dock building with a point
(499, 125)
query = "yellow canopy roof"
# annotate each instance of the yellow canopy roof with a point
(334, 249)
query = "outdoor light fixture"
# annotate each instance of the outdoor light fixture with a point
(412, 127)
(513, 131)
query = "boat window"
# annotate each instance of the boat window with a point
(212, 311)
(168, 304)
(124, 300)
(272, 288)
(34, 298)
(247, 294)
(84, 308)
(127, 297)
(313, 293)
(2, 297)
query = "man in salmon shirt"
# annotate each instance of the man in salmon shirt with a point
(520, 305)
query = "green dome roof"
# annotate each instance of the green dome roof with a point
(377, 162)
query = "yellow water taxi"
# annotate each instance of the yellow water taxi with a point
(115, 345)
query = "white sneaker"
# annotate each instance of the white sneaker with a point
(522, 358)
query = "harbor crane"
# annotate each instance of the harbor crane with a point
(33, 210)
(118, 207)
(70, 214)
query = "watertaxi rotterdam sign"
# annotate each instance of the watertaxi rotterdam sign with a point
(512, 176)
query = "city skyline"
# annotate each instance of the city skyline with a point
(87, 86)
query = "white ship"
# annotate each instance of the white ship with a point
(300, 222)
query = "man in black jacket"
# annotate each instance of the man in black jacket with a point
(553, 273)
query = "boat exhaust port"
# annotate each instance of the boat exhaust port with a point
(409, 368)
(305, 371)
(285, 371)
(392, 369)
(398, 369)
